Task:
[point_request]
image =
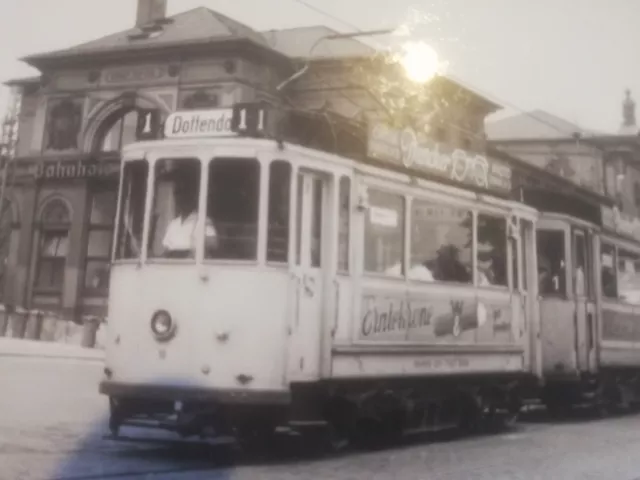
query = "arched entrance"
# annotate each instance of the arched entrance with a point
(128, 118)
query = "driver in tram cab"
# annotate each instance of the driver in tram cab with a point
(179, 239)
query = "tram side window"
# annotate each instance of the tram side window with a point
(344, 219)
(441, 238)
(278, 227)
(384, 234)
(608, 273)
(174, 209)
(551, 262)
(232, 204)
(492, 251)
(629, 277)
(132, 200)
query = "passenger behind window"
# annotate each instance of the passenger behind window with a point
(449, 267)
(179, 240)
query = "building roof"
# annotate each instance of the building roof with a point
(535, 125)
(304, 42)
(24, 81)
(199, 25)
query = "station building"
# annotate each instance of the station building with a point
(92, 99)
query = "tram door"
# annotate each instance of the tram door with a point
(584, 296)
(311, 246)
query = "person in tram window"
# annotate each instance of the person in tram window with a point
(179, 240)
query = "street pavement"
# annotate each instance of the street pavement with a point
(52, 423)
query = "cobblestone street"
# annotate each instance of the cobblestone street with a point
(53, 422)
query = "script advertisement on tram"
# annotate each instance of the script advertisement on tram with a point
(434, 319)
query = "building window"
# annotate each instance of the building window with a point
(53, 248)
(103, 201)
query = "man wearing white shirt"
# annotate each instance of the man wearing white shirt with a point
(180, 239)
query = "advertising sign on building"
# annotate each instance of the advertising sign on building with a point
(419, 153)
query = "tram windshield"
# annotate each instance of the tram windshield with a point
(230, 209)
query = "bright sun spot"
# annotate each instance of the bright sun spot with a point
(420, 61)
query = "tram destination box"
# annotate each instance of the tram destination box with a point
(243, 119)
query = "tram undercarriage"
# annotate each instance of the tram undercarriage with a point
(611, 391)
(361, 413)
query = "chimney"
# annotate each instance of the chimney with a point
(150, 11)
(629, 126)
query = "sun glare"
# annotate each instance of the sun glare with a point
(420, 61)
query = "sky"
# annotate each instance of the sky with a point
(572, 58)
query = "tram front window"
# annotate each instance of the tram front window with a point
(233, 201)
(174, 210)
(130, 223)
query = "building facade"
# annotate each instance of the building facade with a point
(91, 100)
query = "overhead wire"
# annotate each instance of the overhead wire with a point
(493, 97)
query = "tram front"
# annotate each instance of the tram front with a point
(198, 306)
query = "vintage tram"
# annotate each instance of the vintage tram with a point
(589, 283)
(259, 285)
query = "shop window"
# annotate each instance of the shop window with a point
(384, 234)
(53, 247)
(441, 239)
(103, 201)
(608, 272)
(278, 225)
(492, 251)
(551, 262)
(232, 205)
(344, 220)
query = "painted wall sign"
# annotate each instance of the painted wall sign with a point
(415, 151)
(74, 169)
(134, 74)
(199, 123)
(433, 319)
(620, 326)
(616, 221)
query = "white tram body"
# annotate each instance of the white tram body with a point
(589, 307)
(273, 335)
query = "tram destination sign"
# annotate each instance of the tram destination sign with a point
(243, 119)
(419, 153)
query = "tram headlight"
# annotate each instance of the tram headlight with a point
(163, 326)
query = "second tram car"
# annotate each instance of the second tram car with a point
(258, 285)
(589, 279)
